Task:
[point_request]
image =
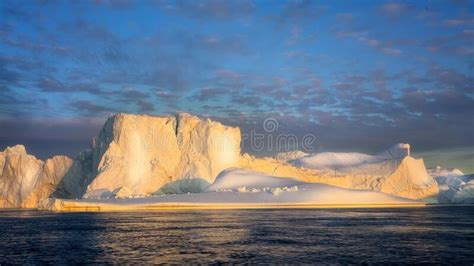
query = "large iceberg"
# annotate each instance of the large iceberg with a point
(144, 156)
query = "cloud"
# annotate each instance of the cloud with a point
(8, 76)
(391, 51)
(344, 17)
(427, 14)
(50, 84)
(458, 44)
(450, 101)
(164, 94)
(208, 94)
(92, 109)
(246, 60)
(394, 10)
(468, 21)
(447, 103)
(145, 106)
(52, 136)
(451, 79)
(300, 11)
(169, 77)
(209, 9)
(133, 94)
(351, 82)
(217, 43)
(364, 37)
(118, 4)
(14, 10)
(140, 98)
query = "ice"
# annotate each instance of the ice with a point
(99, 194)
(340, 160)
(455, 187)
(234, 178)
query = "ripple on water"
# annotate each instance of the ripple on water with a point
(424, 235)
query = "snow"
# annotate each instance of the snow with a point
(291, 190)
(289, 155)
(378, 168)
(332, 160)
(238, 188)
(439, 171)
(340, 160)
(234, 178)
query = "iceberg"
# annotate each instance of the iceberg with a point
(26, 180)
(455, 187)
(141, 156)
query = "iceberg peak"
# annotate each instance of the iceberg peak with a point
(17, 149)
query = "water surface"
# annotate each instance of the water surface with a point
(421, 235)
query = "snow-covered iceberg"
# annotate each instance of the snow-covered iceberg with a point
(238, 188)
(145, 156)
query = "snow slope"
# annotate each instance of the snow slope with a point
(238, 188)
(380, 165)
(344, 160)
(235, 178)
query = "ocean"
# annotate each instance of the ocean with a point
(438, 234)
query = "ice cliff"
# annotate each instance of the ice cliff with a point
(139, 154)
(25, 180)
(142, 155)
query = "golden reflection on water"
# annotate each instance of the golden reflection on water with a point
(173, 236)
(341, 236)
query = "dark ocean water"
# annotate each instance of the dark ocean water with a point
(420, 235)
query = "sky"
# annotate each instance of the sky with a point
(359, 75)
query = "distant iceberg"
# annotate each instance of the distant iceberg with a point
(454, 186)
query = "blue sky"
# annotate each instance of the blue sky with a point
(359, 74)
